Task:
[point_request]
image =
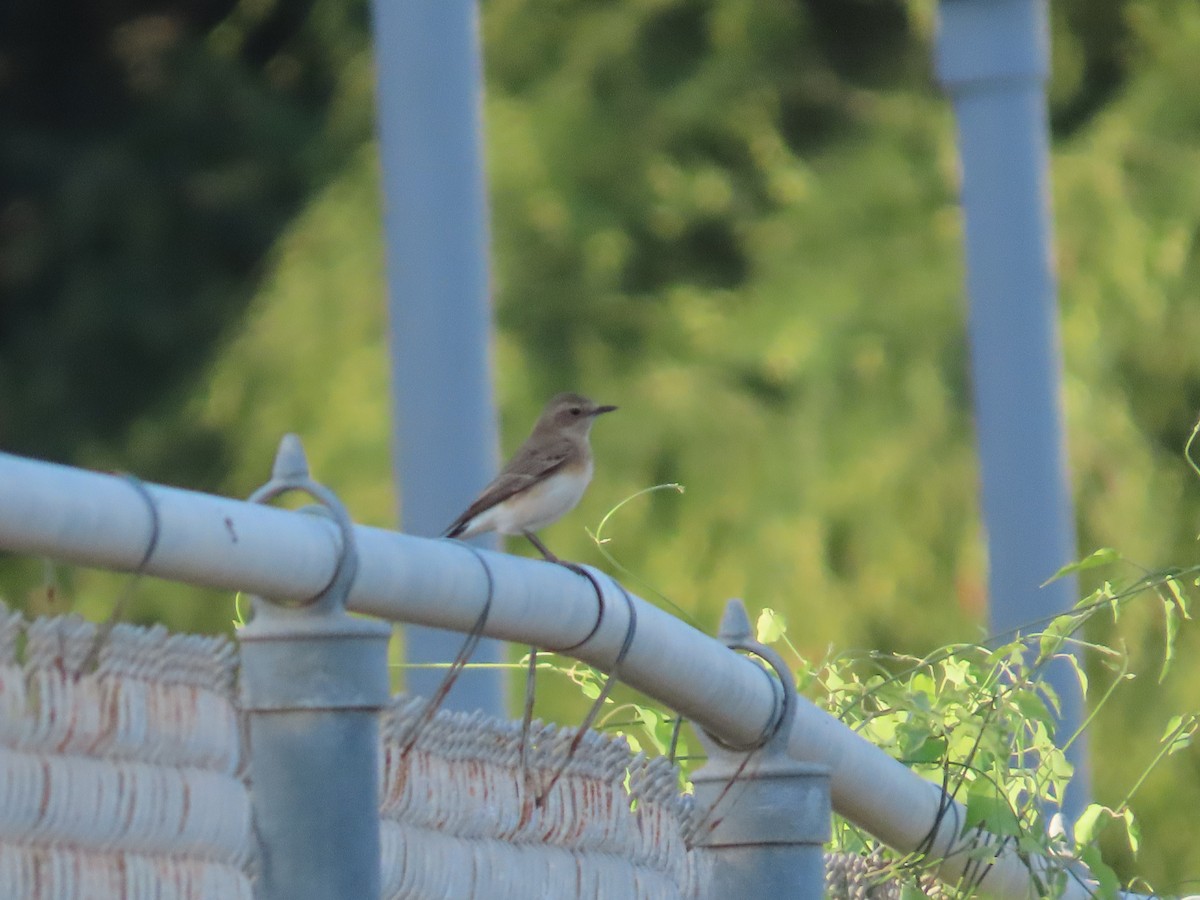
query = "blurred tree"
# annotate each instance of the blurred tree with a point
(152, 153)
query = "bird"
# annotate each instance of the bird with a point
(543, 481)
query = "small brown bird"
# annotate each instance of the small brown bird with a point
(543, 481)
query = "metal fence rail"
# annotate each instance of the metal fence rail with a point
(109, 521)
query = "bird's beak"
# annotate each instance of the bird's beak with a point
(602, 409)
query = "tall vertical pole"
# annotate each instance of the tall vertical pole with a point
(993, 59)
(429, 73)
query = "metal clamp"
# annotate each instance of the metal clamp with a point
(736, 635)
(312, 654)
(290, 473)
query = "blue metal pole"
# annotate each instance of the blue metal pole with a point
(430, 92)
(993, 59)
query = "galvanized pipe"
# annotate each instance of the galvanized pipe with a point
(97, 519)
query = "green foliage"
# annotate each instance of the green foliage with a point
(979, 721)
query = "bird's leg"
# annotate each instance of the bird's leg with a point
(542, 548)
(549, 556)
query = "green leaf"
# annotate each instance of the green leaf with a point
(1133, 831)
(1108, 886)
(1171, 619)
(1172, 725)
(1091, 823)
(1055, 634)
(990, 810)
(771, 626)
(1031, 706)
(1059, 771)
(922, 685)
(589, 689)
(956, 672)
(1080, 674)
(1179, 733)
(1181, 599)
(930, 750)
(1095, 560)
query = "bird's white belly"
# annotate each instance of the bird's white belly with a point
(539, 505)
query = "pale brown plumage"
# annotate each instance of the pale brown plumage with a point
(543, 481)
(547, 474)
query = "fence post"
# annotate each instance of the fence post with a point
(764, 817)
(313, 680)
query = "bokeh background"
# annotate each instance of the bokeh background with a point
(735, 218)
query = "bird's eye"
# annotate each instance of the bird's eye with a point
(575, 410)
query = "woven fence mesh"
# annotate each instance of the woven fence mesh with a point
(461, 818)
(128, 783)
(122, 782)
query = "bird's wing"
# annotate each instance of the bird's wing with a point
(524, 470)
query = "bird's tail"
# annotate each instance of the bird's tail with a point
(456, 528)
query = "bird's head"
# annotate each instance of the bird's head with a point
(571, 413)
